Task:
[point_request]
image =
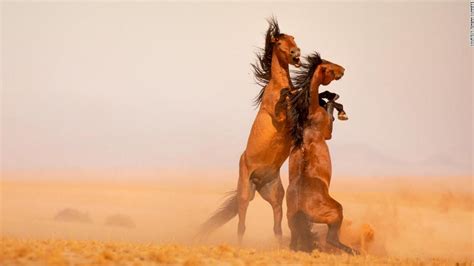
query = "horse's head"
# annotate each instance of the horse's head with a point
(305, 100)
(326, 72)
(279, 48)
(286, 49)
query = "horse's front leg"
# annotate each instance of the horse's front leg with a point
(341, 114)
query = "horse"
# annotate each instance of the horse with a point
(307, 195)
(269, 142)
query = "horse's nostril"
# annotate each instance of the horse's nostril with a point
(292, 52)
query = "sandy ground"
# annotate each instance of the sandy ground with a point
(143, 220)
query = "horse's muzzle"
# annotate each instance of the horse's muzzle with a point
(295, 56)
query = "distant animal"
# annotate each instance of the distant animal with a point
(269, 142)
(307, 196)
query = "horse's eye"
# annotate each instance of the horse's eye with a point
(279, 43)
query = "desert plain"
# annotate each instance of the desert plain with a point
(152, 217)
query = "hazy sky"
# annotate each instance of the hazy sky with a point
(169, 85)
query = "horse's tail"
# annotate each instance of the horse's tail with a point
(221, 216)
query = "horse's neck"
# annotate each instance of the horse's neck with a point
(280, 79)
(280, 74)
(314, 96)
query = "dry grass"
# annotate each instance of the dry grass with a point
(68, 252)
(399, 221)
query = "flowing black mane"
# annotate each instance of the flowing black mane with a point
(300, 99)
(263, 66)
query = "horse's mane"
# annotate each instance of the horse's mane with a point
(300, 99)
(262, 68)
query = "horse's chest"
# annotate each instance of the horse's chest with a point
(281, 107)
(319, 120)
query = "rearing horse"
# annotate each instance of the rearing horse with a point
(269, 143)
(307, 196)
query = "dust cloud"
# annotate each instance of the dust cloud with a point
(386, 217)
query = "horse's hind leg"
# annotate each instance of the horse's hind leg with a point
(335, 217)
(306, 240)
(292, 210)
(293, 224)
(273, 192)
(301, 236)
(333, 239)
(245, 193)
(294, 233)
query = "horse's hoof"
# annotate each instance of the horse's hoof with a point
(354, 252)
(342, 116)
